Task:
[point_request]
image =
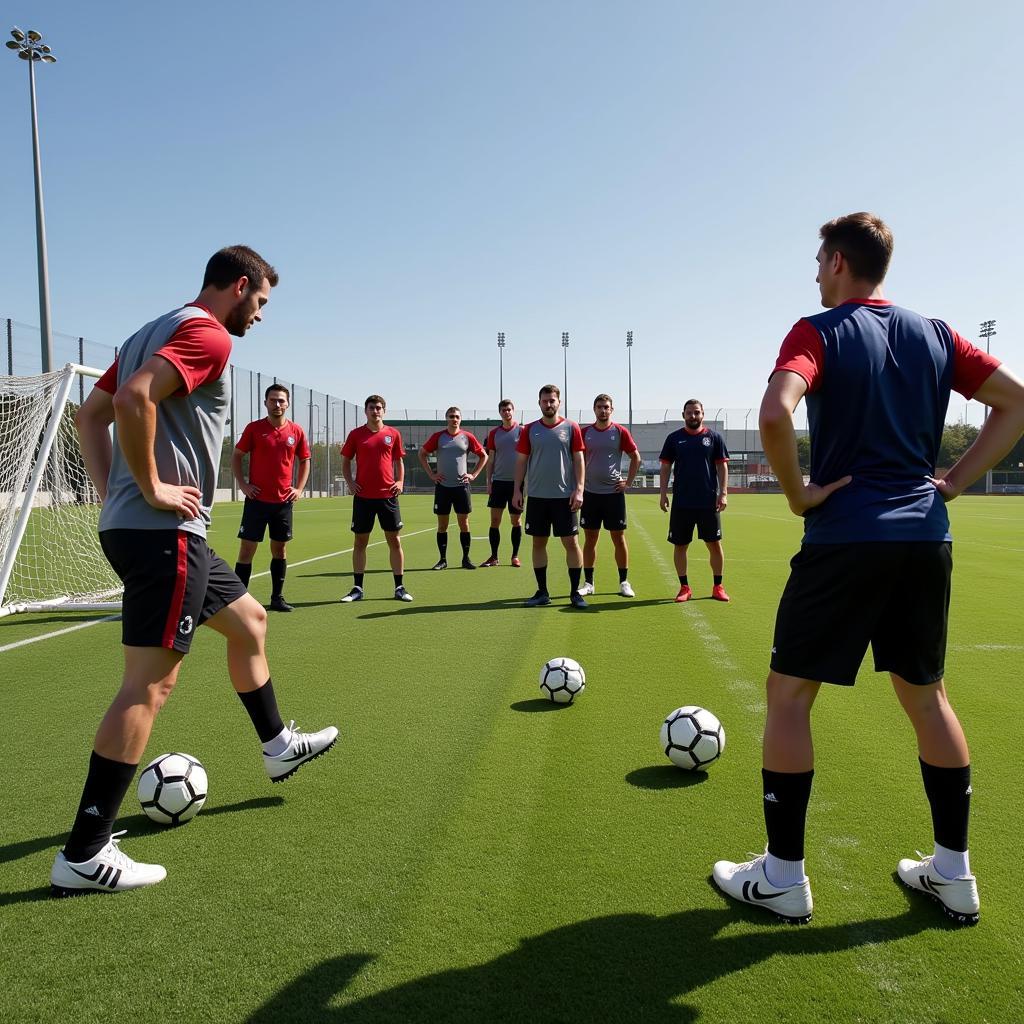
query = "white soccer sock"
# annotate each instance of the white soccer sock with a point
(279, 744)
(951, 863)
(782, 873)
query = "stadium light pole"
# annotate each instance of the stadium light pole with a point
(629, 375)
(29, 47)
(501, 366)
(988, 331)
(565, 371)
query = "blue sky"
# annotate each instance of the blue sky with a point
(426, 175)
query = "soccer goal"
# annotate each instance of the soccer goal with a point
(49, 510)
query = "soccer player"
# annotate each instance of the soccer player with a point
(451, 481)
(698, 461)
(501, 479)
(168, 395)
(876, 559)
(604, 499)
(379, 480)
(550, 451)
(272, 444)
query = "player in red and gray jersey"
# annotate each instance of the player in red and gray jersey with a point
(167, 397)
(501, 481)
(604, 498)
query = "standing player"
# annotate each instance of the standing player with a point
(501, 481)
(877, 380)
(698, 461)
(378, 481)
(272, 444)
(604, 500)
(452, 480)
(550, 450)
(168, 395)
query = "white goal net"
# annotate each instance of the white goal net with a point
(50, 555)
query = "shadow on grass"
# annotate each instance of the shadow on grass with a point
(627, 967)
(538, 704)
(664, 776)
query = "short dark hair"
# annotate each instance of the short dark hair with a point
(550, 389)
(506, 401)
(451, 409)
(374, 399)
(603, 398)
(277, 387)
(694, 401)
(864, 240)
(228, 265)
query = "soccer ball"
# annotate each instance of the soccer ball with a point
(172, 788)
(692, 738)
(561, 679)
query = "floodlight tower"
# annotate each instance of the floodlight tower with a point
(629, 366)
(987, 331)
(30, 47)
(565, 372)
(501, 353)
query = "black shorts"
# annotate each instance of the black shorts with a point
(681, 522)
(841, 597)
(501, 496)
(173, 582)
(607, 510)
(258, 515)
(448, 498)
(384, 510)
(545, 516)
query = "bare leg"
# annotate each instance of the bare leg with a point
(787, 745)
(243, 623)
(940, 737)
(395, 553)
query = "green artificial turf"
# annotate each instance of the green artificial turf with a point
(469, 853)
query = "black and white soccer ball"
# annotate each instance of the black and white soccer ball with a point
(692, 738)
(172, 788)
(561, 679)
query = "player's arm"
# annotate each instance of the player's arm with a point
(634, 468)
(490, 468)
(666, 472)
(296, 492)
(1003, 393)
(722, 469)
(248, 489)
(399, 469)
(481, 461)
(778, 438)
(93, 421)
(520, 476)
(346, 472)
(135, 405)
(425, 463)
(579, 466)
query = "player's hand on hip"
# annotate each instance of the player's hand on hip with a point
(293, 494)
(396, 490)
(812, 495)
(621, 486)
(355, 487)
(186, 501)
(249, 490)
(945, 489)
(663, 502)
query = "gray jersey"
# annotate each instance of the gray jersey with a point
(189, 433)
(550, 450)
(452, 454)
(503, 443)
(604, 456)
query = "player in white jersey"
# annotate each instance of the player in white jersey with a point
(501, 481)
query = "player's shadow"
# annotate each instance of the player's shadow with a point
(626, 967)
(65, 619)
(338, 574)
(430, 609)
(615, 604)
(665, 776)
(538, 705)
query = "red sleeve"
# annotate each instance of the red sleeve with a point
(245, 441)
(803, 353)
(348, 449)
(523, 444)
(430, 445)
(398, 451)
(627, 444)
(302, 445)
(199, 350)
(577, 439)
(490, 439)
(971, 366)
(474, 445)
(108, 382)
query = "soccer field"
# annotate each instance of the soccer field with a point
(470, 853)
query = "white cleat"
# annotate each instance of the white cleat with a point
(586, 589)
(401, 594)
(958, 897)
(355, 594)
(304, 746)
(748, 883)
(625, 590)
(109, 871)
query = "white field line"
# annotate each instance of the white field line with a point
(113, 618)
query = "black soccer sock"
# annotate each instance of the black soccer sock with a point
(542, 578)
(399, 576)
(623, 574)
(262, 707)
(517, 537)
(464, 538)
(494, 536)
(949, 794)
(357, 579)
(684, 581)
(786, 795)
(105, 787)
(243, 570)
(278, 569)
(588, 574)
(442, 545)
(718, 581)
(574, 580)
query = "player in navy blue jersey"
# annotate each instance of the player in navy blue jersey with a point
(876, 560)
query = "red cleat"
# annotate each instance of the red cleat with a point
(492, 561)
(718, 592)
(516, 564)
(685, 593)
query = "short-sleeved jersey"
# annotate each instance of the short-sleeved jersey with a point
(550, 450)
(375, 453)
(189, 423)
(452, 454)
(604, 450)
(694, 456)
(878, 384)
(501, 443)
(272, 452)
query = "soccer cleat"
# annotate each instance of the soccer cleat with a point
(685, 593)
(625, 590)
(401, 594)
(304, 746)
(586, 589)
(467, 564)
(958, 897)
(355, 594)
(279, 604)
(490, 562)
(748, 883)
(576, 600)
(542, 597)
(516, 564)
(718, 592)
(109, 871)
(440, 564)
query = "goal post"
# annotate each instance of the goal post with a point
(50, 555)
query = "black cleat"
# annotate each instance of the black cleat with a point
(279, 604)
(576, 600)
(542, 597)
(441, 564)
